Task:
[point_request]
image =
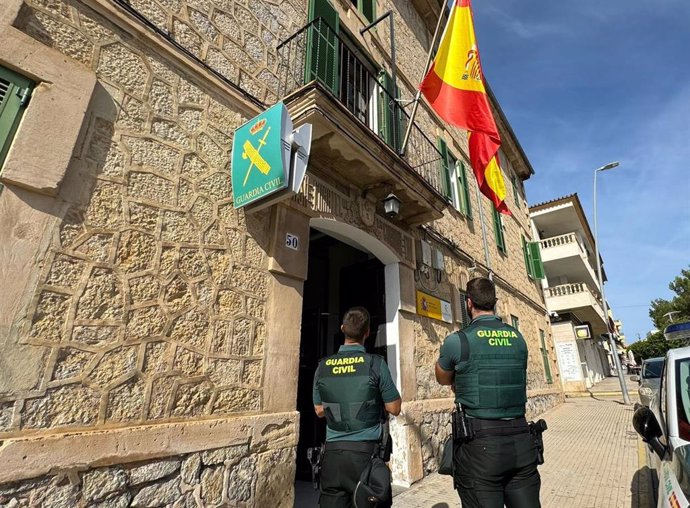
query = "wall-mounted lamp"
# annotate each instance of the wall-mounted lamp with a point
(391, 205)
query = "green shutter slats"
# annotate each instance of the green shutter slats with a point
(368, 8)
(444, 170)
(4, 90)
(498, 232)
(466, 191)
(15, 91)
(535, 260)
(545, 358)
(323, 55)
(526, 255)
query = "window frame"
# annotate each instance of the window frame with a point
(499, 233)
(454, 180)
(545, 357)
(13, 103)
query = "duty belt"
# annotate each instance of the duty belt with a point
(353, 446)
(484, 428)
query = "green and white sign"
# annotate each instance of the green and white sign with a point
(261, 156)
(269, 159)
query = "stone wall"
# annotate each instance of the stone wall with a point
(208, 478)
(152, 295)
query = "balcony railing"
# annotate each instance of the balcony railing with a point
(557, 241)
(318, 53)
(571, 289)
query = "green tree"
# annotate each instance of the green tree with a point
(656, 345)
(653, 346)
(679, 304)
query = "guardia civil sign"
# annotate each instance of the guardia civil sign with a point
(269, 159)
(261, 156)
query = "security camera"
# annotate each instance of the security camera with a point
(553, 314)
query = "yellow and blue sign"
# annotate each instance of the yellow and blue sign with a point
(261, 156)
(435, 308)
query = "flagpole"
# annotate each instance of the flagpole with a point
(418, 95)
(481, 219)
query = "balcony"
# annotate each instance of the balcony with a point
(358, 126)
(578, 298)
(565, 256)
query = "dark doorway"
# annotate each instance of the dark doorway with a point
(339, 277)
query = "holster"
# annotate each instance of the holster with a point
(536, 429)
(462, 429)
(386, 446)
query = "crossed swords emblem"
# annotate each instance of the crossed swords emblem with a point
(255, 157)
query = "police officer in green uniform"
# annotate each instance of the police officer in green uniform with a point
(352, 389)
(487, 363)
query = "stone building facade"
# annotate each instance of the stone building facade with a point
(150, 331)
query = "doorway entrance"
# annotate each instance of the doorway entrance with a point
(339, 276)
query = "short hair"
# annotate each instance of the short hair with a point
(356, 323)
(482, 292)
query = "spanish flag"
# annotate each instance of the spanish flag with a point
(454, 86)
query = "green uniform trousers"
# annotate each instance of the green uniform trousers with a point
(497, 471)
(340, 472)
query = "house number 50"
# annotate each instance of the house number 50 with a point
(292, 241)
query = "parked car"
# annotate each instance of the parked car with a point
(665, 426)
(649, 379)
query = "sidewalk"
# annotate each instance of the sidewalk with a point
(594, 459)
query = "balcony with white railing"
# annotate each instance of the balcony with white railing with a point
(566, 256)
(579, 298)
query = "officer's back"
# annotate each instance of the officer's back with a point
(353, 390)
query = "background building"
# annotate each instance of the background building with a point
(572, 292)
(158, 344)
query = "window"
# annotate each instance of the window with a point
(464, 315)
(334, 58)
(515, 322)
(462, 189)
(454, 180)
(391, 120)
(323, 62)
(516, 194)
(15, 91)
(532, 254)
(498, 231)
(545, 357)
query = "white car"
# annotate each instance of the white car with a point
(665, 426)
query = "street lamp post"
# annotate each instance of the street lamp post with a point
(609, 329)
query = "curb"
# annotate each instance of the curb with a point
(645, 488)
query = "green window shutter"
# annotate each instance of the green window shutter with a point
(467, 207)
(388, 108)
(464, 315)
(368, 8)
(545, 358)
(444, 170)
(498, 231)
(516, 195)
(515, 322)
(15, 91)
(535, 260)
(323, 45)
(526, 255)
(386, 105)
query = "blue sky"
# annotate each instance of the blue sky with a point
(589, 82)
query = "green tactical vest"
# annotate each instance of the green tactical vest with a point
(492, 382)
(349, 387)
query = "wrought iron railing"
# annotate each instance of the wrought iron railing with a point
(318, 53)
